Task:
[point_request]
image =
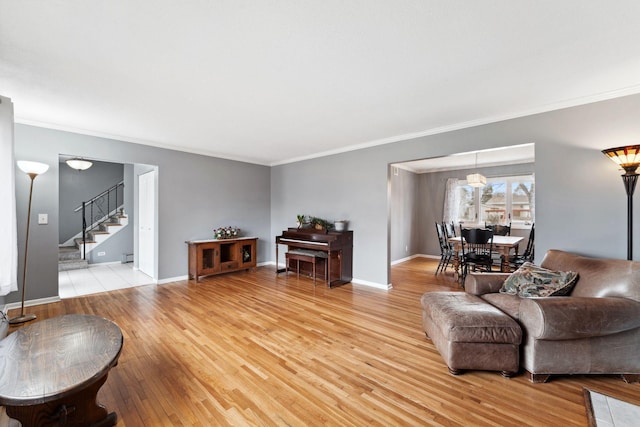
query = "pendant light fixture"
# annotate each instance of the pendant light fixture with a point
(476, 179)
(79, 164)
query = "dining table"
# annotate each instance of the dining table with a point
(502, 244)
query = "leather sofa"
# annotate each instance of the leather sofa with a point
(593, 330)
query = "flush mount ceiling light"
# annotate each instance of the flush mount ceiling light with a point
(476, 179)
(79, 164)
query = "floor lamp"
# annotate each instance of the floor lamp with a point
(628, 158)
(32, 169)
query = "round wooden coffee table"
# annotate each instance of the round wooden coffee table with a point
(51, 370)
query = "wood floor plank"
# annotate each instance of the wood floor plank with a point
(253, 348)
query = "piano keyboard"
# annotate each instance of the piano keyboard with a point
(306, 242)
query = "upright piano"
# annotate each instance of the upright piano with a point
(338, 246)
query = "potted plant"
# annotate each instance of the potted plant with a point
(300, 220)
(319, 223)
(226, 233)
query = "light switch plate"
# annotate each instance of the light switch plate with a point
(43, 218)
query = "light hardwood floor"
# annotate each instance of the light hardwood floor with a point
(251, 348)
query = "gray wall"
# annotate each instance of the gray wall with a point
(351, 186)
(196, 194)
(580, 199)
(405, 203)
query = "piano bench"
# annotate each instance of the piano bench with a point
(306, 255)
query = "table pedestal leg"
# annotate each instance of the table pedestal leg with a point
(457, 264)
(79, 408)
(504, 259)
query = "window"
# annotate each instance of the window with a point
(503, 200)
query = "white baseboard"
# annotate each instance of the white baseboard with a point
(186, 277)
(354, 280)
(371, 284)
(102, 264)
(32, 302)
(171, 279)
(401, 260)
(278, 265)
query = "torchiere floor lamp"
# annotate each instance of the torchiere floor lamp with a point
(629, 159)
(32, 169)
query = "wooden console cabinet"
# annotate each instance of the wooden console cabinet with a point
(209, 257)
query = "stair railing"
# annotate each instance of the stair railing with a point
(101, 213)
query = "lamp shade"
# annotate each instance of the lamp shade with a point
(627, 157)
(35, 168)
(79, 164)
(476, 180)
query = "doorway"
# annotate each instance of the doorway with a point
(417, 191)
(147, 223)
(114, 262)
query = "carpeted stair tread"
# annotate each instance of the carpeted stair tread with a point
(67, 253)
(72, 264)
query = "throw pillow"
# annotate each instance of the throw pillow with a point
(531, 280)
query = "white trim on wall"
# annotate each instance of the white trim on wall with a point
(32, 302)
(371, 284)
(399, 261)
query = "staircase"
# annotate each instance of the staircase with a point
(70, 257)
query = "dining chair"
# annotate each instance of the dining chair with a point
(449, 232)
(499, 229)
(450, 229)
(477, 250)
(446, 252)
(515, 261)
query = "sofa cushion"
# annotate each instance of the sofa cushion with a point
(467, 318)
(509, 304)
(598, 277)
(531, 280)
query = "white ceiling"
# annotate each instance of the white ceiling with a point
(270, 82)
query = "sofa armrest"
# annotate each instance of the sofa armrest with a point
(562, 318)
(484, 283)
